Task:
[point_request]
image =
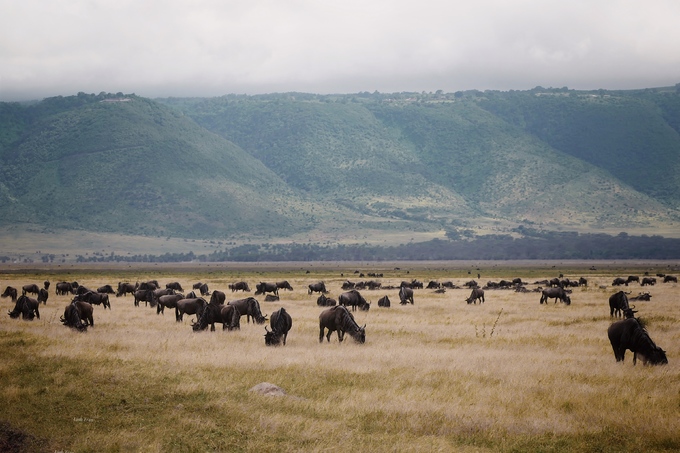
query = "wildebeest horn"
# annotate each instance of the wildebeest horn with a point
(364, 326)
(265, 328)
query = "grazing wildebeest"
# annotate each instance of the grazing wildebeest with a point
(125, 288)
(319, 287)
(629, 334)
(27, 307)
(471, 284)
(648, 281)
(323, 301)
(618, 281)
(62, 288)
(477, 293)
(555, 282)
(11, 293)
(284, 285)
(174, 286)
(384, 302)
(168, 301)
(145, 295)
(218, 298)
(339, 319)
(156, 293)
(30, 288)
(249, 307)
(433, 285)
(670, 278)
(555, 293)
(280, 322)
(106, 289)
(205, 291)
(189, 306)
(95, 298)
(373, 284)
(348, 285)
(83, 289)
(265, 287)
(632, 278)
(151, 284)
(582, 281)
(353, 298)
(617, 303)
(43, 295)
(228, 315)
(239, 286)
(405, 295)
(72, 318)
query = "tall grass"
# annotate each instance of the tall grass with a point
(540, 378)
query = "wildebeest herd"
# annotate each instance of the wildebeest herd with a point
(625, 334)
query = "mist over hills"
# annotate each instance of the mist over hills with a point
(344, 168)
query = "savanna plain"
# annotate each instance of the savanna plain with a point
(508, 374)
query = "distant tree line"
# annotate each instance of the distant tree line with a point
(538, 246)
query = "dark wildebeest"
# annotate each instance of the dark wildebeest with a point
(30, 288)
(25, 306)
(405, 295)
(156, 293)
(373, 284)
(249, 307)
(348, 285)
(62, 288)
(642, 296)
(555, 293)
(471, 284)
(618, 281)
(189, 306)
(95, 298)
(239, 286)
(323, 301)
(228, 315)
(632, 278)
(125, 288)
(145, 295)
(477, 293)
(582, 281)
(72, 318)
(84, 311)
(648, 281)
(384, 302)
(106, 289)
(340, 319)
(617, 303)
(284, 285)
(629, 334)
(353, 298)
(271, 298)
(169, 301)
(174, 286)
(670, 278)
(433, 285)
(205, 291)
(218, 298)
(264, 287)
(151, 284)
(11, 293)
(319, 287)
(43, 295)
(280, 322)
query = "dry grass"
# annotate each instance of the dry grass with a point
(508, 375)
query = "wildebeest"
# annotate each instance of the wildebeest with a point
(642, 296)
(323, 301)
(555, 282)
(218, 298)
(384, 302)
(648, 281)
(339, 319)
(71, 318)
(239, 286)
(168, 301)
(284, 285)
(670, 278)
(629, 334)
(228, 315)
(617, 303)
(106, 289)
(145, 295)
(205, 291)
(405, 295)
(582, 281)
(249, 307)
(125, 288)
(555, 293)
(618, 281)
(30, 288)
(477, 293)
(471, 284)
(433, 285)
(156, 293)
(352, 298)
(189, 306)
(27, 307)
(280, 322)
(632, 278)
(62, 288)
(319, 287)
(95, 298)
(265, 287)
(174, 286)
(271, 298)
(10, 292)
(348, 285)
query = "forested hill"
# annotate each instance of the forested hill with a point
(344, 167)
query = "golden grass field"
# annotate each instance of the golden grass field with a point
(441, 375)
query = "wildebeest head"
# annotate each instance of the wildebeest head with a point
(359, 335)
(271, 338)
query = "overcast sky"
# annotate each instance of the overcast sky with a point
(215, 47)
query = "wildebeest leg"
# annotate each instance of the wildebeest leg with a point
(284, 338)
(341, 335)
(321, 329)
(37, 312)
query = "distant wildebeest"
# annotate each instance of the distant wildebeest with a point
(471, 284)
(156, 293)
(145, 295)
(629, 334)
(582, 281)
(476, 294)
(352, 298)
(555, 293)
(204, 290)
(249, 307)
(284, 285)
(405, 295)
(10, 292)
(618, 281)
(174, 286)
(632, 278)
(281, 323)
(433, 285)
(271, 298)
(95, 298)
(71, 318)
(106, 289)
(62, 288)
(168, 301)
(648, 281)
(151, 284)
(339, 319)
(266, 287)
(384, 302)
(189, 306)
(323, 301)
(670, 278)
(642, 296)
(319, 287)
(218, 298)
(30, 288)
(348, 285)
(125, 288)
(27, 307)
(617, 303)
(228, 315)
(555, 282)
(239, 286)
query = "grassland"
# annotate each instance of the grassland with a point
(441, 375)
